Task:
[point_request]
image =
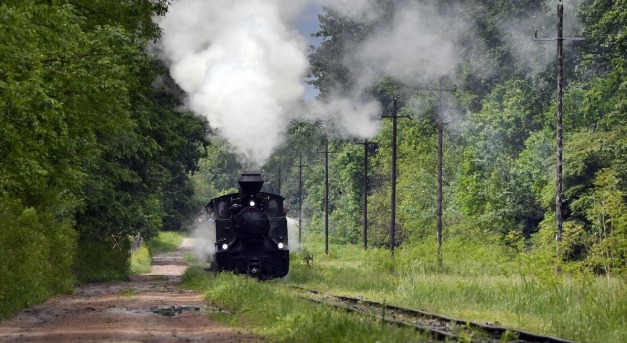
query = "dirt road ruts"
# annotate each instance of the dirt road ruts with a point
(150, 308)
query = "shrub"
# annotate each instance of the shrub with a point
(36, 255)
(165, 241)
(106, 260)
(141, 262)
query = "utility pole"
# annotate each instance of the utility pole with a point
(366, 145)
(278, 180)
(559, 151)
(560, 93)
(326, 193)
(394, 117)
(440, 139)
(300, 195)
(440, 129)
(440, 126)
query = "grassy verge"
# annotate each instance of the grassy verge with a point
(267, 309)
(166, 241)
(476, 283)
(141, 260)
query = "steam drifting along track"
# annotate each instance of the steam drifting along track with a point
(438, 326)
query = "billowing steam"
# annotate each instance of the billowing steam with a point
(417, 48)
(417, 44)
(204, 238)
(292, 235)
(241, 63)
(241, 66)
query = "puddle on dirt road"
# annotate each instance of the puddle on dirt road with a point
(170, 311)
(176, 310)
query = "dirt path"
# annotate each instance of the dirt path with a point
(150, 308)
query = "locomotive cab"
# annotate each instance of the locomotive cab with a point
(251, 231)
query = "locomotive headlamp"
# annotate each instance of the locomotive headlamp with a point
(225, 246)
(280, 245)
(252, 203)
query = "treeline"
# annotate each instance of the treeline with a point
(92, 148)
(499, 140)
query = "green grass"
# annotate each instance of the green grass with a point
(477, 282)
(141, 262)
(166, 241)
(270, 310)
(129, 292)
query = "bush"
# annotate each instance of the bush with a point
(141, 262)
(36, 255)
(106, 260)
(165, 241)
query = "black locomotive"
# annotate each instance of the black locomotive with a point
(250, 230)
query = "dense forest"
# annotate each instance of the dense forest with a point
(95, 148)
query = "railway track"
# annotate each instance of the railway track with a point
(438, 326)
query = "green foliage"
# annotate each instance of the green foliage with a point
(84, 119)
(218, 171)
(504, 161)
(608, 216)
(105, 260)
(36, 254)
(93, 146)
(141, 262)
(165, 242)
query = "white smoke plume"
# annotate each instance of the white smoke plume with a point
(417, 47)
(241, 66)
(204, 238)
(355, 116)
(535, 53)
(292, 235)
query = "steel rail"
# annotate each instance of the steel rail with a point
(439, 326)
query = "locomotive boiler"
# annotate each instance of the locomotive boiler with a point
(250, 231)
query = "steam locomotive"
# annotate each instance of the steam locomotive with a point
(250, 231)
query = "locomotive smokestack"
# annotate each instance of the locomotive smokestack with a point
(251, 183)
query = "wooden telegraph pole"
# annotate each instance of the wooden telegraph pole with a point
(300, 196)
(394, 117)
(560, 93)
(366, 145)
(326, 192)
(279, 182)
(440, 126)
(559, 151)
